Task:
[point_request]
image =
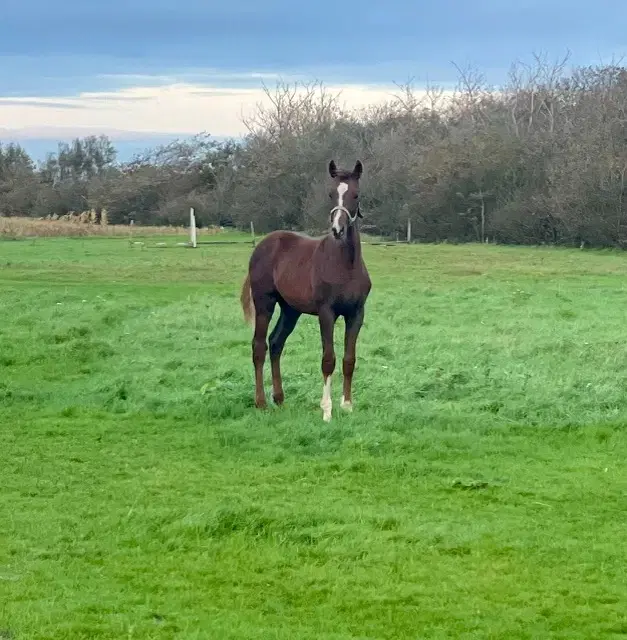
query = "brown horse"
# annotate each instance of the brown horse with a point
(324, 277)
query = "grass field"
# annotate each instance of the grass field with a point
(479, 489)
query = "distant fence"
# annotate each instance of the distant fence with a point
(194, 242)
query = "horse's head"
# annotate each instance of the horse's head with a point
(345, 197)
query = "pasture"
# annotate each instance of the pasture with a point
(478, 489)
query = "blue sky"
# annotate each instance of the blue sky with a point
(103, 60)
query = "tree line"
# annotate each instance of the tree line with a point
(541, 159)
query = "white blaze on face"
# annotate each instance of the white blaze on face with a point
(342, 188)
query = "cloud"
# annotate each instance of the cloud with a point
(177, 108)
(38, 102)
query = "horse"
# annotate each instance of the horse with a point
(324, 277)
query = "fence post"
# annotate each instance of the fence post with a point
(408, 230)
(192, 227)
(252, 232)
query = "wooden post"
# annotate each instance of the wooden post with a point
(408, 230)
(252, 232)
(482, 216)
(192, 227)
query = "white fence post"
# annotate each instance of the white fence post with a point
(192, 227)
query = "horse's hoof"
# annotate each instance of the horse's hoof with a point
(327, 409)
(279, 399)
(347, 406)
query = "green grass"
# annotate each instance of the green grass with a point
(477, 491)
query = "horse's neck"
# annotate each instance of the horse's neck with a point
(347, 253)
(353, 244)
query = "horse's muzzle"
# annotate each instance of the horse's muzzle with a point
(338, 234)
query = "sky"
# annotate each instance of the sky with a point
(147, 71)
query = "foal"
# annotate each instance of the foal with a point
(324, 277)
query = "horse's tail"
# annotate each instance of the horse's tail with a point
(246, 298)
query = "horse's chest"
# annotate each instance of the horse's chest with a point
(350, 292)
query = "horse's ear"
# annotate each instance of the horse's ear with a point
(332, 169)
(358, 170)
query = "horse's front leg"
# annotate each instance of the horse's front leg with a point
(353, 322)
(327, 317)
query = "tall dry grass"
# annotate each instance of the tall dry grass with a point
(20, 227)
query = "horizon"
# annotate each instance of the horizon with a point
(176, 73)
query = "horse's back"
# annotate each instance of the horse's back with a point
(278, 246)
(282, 261)
(284, 240)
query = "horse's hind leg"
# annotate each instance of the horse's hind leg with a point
(284, 326)
(264, 307)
